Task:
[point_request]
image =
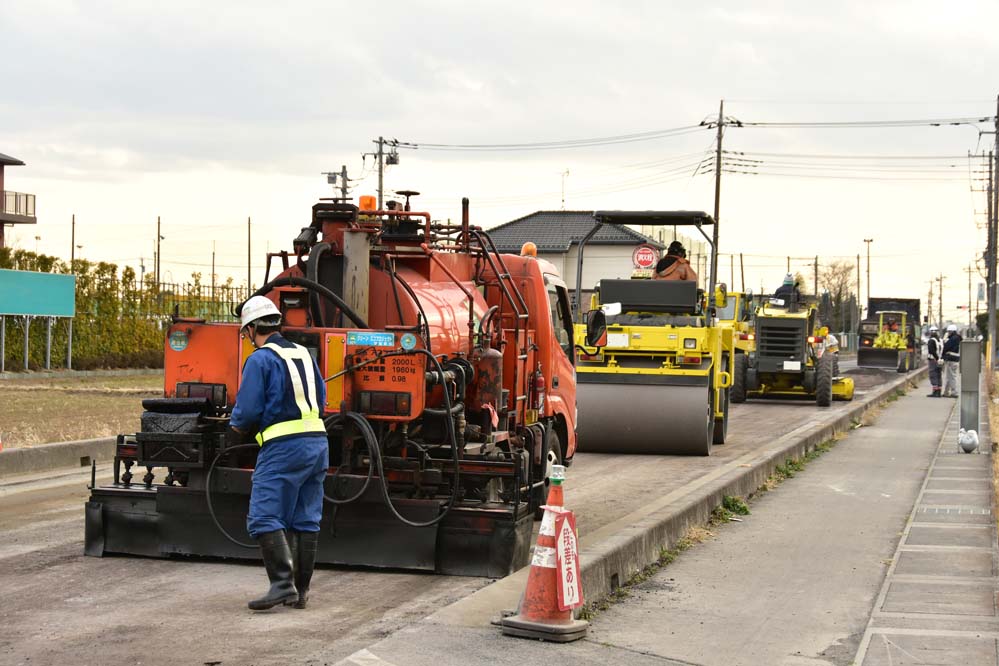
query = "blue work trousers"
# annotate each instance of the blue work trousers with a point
(287, 491)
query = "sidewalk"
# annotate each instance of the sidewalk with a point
(938, 601)
(795, 582)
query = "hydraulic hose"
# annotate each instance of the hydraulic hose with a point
(371, 441)
(208, 494)
(331, 422)
(295, 281)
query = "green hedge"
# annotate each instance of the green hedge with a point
(119, 323)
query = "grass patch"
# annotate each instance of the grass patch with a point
(40, 410)
(736, 505)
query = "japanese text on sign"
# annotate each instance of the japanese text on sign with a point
(570, 587)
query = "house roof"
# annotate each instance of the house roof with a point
(557, 230)
(7, 160)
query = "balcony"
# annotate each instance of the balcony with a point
(18, 208)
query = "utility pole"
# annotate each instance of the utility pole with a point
(990, 267)
(789, 264)
(940, 281)
(213, 274)
(159, 256)
(72, 243)
(742, 273)
(860, 308)
(718, 170)
(816, 292)
(731, 271)
(564, 174)
(343, 181)
(868, 241)
(969, 270)
(249, 257)
(381, 170)
(929, 304)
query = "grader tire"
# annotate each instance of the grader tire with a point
(824, 381)
(738, 390)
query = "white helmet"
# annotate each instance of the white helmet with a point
(933, 329)
(258, 307)
(952, 328)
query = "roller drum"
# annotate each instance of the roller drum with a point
(630, 418)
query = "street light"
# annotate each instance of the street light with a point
(37, 238)
(868, 241)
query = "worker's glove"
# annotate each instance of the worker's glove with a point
(234, 438)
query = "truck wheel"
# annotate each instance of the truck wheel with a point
(738, 390)
(553, 456)
(824, 381)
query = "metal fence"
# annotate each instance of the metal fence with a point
(211, 303)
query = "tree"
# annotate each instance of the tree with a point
(836, 280)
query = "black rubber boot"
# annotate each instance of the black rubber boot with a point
(934, 394)
(280, 566)
(305, 564)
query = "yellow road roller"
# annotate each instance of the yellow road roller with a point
(653, 371)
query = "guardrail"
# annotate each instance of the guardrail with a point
(18, 203)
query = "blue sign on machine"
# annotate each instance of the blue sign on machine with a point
(37, 294)
(370, 339)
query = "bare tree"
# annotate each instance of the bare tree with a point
(836, 280)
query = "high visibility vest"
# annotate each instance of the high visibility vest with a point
(310, 421)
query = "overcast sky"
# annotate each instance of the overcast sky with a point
(207, 113)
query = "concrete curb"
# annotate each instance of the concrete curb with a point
(612, 554)
(53, 456)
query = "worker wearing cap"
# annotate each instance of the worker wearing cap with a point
(934, 359)
(788, 290)
(280, 398)
(830, 345)
(951, 357)
(674, 266)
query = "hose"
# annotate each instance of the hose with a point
(293, 281)
(331, 422)
(371, 441)
(208, 494)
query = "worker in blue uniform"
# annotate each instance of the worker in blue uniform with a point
(280, 400)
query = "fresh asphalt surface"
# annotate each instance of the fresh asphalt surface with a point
(61, 607)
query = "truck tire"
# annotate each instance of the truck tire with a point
(553, 456)
(738, 390)
(824, 381)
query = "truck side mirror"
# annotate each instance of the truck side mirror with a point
(596, 328)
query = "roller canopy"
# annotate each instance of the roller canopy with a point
(654, 217)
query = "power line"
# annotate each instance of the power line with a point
(833, 124)
(555, 145)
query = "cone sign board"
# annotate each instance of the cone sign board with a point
(570, 587)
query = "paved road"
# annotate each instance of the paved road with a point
(60, 607)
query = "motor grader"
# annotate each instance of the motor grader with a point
(653, 370)
(450, 393)
(787, 360)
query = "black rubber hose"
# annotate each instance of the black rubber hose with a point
(208, 494)
(331, 422)
(295, 281)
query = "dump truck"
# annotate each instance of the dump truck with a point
(787, 361)
(890, 335)
(450, 395)
(653, 373)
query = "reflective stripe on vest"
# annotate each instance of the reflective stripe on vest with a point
(310, 421)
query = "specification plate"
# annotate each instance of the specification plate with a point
(370, 339)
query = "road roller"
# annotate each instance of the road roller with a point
(450, 395)
(653, 367)
(787, 361)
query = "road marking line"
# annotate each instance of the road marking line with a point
(363, 658)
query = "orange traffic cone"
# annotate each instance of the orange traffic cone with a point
(539, 615)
